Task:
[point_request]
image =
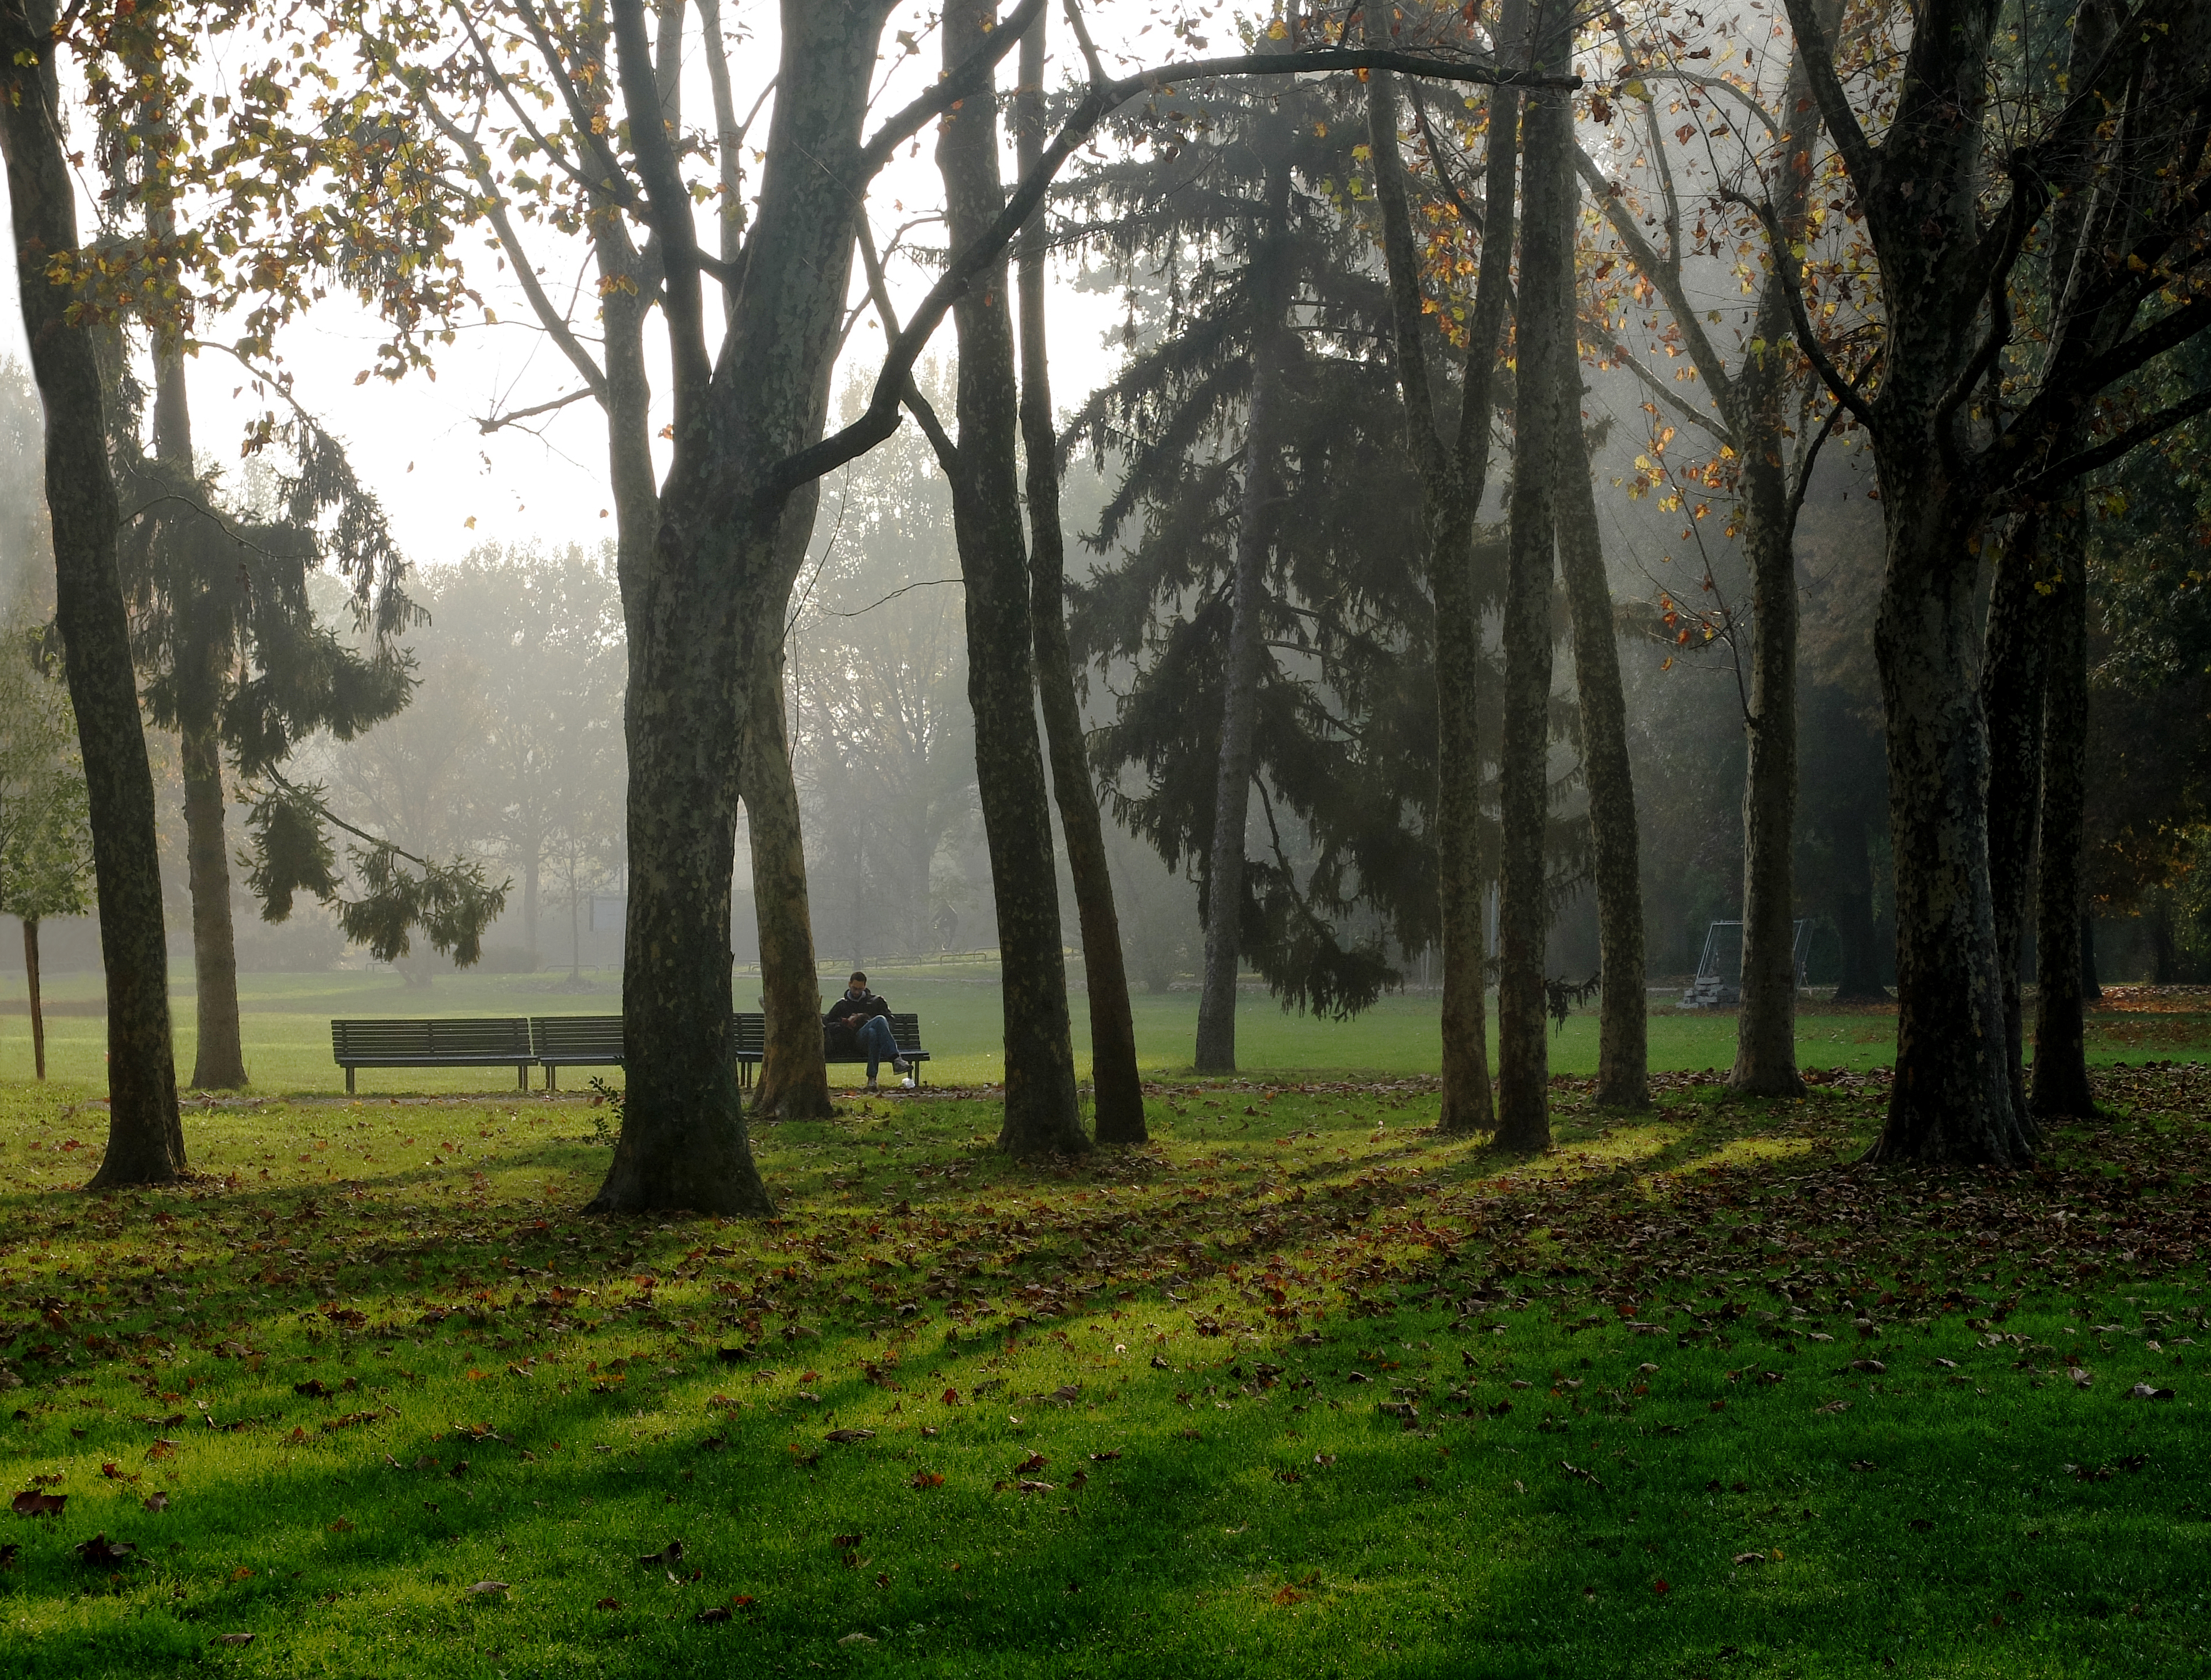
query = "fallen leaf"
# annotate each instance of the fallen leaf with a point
(231, 1638)
(1661, 1586)
(2142, 1391)
(926, 1478)
(671, 1553)
(857, 1638)
(1029, 1487)
(1745, 1560)
(36, 1504)
(488, 1588)
(104, 1553)
(157, 1502)
(1035, 1461)
(845, 1437)
(714, 1613)
(1105, 1457)
(608, 1604)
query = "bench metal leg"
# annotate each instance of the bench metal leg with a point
(350, 1081)
(522, 1075)
(551, 1081)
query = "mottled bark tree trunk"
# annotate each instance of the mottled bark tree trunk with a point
(1623, 1057)
(38, 1009)
(1042, 1115)
(1545, 427)
(145, 1139)
(690, 594)
(1951, 1100)
(1119, 1090)
(794, 1080)
(2013, 661)
(1454, 474)
(1765, 1031)
(2063, 958)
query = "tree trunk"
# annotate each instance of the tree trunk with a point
(145, 1139)
(1231, 786)
(794, 1081)
(690, 579)
(532, 871)
(1623, 1058)
(2064, 958)
(1042, 1114)
(218, 1054)
(1119, 1089)
(1545, 427)
(1766, 1032)
(38, 1009)
(1951, 1100)
(2014, 666)
(1454, 474)
(219, 1057)
(1765, 1029)
(1860, 982)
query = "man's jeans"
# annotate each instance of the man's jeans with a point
(875, 1042)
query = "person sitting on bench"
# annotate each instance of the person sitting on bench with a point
(859, 1024)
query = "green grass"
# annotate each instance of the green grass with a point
(1225, 1498)
(287, 1043)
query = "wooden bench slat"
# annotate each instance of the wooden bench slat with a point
(457, 1041)
(551, 1041)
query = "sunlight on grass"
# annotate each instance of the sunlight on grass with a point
(1299, 1388)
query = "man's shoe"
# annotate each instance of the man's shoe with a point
(897, 1064)
(871, 1085)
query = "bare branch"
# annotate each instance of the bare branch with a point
(1846, 392)
(1817, 58)
(2088, 460)
(549, 316)
(668, 203)
(972, 77)
(880, 418)
(923, 412)
(492, 423)
(1804, 465)
(1672, 399)
(1664, 273)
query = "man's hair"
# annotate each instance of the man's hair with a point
(859, 979)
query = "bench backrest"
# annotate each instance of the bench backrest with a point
(582, 1038)
(598, 1038)
(489, 1038)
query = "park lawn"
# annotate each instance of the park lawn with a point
(1692, 1395)
(287, 1043)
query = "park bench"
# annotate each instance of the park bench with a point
(596, 1041)
(906, 1033)
(489, 1041)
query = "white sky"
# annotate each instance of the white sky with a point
(418, 442)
